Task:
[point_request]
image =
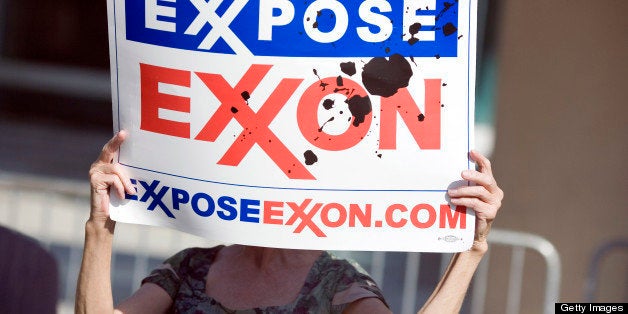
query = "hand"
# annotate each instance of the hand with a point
(483, 196)
(104, 174)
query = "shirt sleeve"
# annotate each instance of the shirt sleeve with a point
(167, 275)
(354, 284)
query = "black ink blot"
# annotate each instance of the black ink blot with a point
(328, 104)
(449, 29)
(234, 109)
(339, 81)
(310, 157)
(414, 28)
(348, 68)
(359, 107)
(245, 95)
(421, 117)
(322, 126)
(384, 77)
(412, 59)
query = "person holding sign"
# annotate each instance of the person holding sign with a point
(246, 279)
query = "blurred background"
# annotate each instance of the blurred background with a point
(551, 113)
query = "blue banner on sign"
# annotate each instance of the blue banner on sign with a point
(321, 28)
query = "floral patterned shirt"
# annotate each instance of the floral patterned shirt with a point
(330, 286)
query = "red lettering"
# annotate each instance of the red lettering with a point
(452, 217)
(306, 218)
(414, 216)
(389, 216)
(307, 117)
(152, 100)
(364, 216)
(270, 213)
(342, 215)
(255, 125)
(426, 133)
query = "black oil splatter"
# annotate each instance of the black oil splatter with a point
(310, 157)
(421, 117)
(444, 84)
(318, 14)
(447, 6)
(339, 81)
(412, 59)
(384, 77)
(449, 29)
(328, 104)
(322, 84)
(245, 95)
(345, 90)
(437, 56)
(234, 109)
(348, 68)
(359, 107)
(459, 36)
(413, 30)
(322, 126)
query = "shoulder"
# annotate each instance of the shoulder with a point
(345, 281)
(181, 266)
(343, 272)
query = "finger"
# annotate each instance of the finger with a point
(471, 191)
(102, 183)
(110, 149)
(483, 163)
(482, 209)
(480, 178)
(118, 186)
(124, 179)
(102, 171)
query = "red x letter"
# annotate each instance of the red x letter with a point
(306, 218)
(256, 131)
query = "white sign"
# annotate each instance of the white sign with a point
(297, 124)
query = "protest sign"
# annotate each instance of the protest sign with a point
(297, 124)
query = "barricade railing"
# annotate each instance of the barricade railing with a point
(54, 211)
(604, 250)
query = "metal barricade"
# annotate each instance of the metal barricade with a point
(595, 265)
